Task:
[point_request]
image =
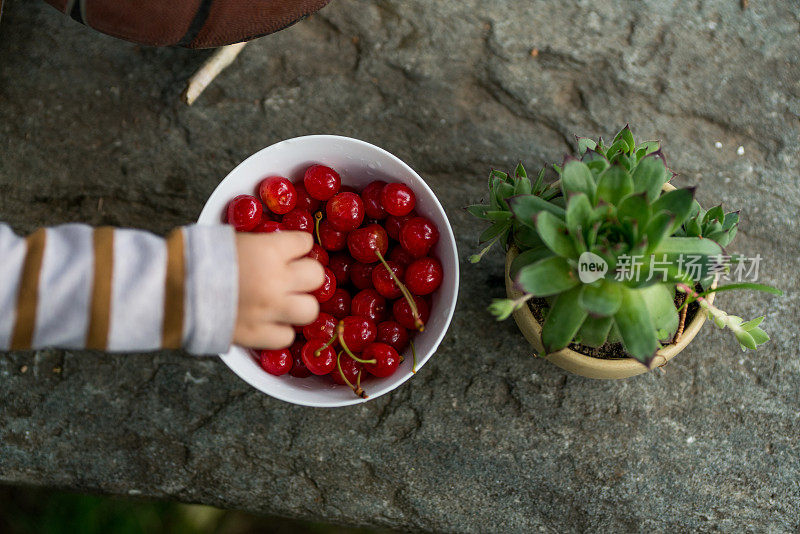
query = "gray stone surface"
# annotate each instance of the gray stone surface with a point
(485, 438)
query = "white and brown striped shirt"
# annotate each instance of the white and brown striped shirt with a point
(74, 286)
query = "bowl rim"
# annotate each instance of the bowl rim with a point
(207, 217)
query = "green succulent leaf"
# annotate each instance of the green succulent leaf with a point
(758, 335)
(695, 210)
(526, 237)
(721, 236)
(714, 214)
(688, 246)
(594, 330)
(636, 208)
(585, 143)
(478, 210)
(614, 184)
(693, 228)
(657, 229)
(601, 299)
(626, 135)
(495, 175)
(527, 258)
(596, 161)
(494, 230)
(555, 235)
(617, 148)
(563, 321)
(730, 220)
(523, 187)
(498, 216)
(503, 308)
(752, 323)
(659, 299)
(523, 183)
(648, 146)
(577, 178)
(501, 193)
(678, 203)
(526, 207)
(635, 326)
(546, 277)
(649, 177)
(579, 213)
(538, 184)
(745, 339)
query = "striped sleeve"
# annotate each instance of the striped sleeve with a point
(118, 290)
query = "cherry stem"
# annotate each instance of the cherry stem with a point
(340, 333)
(414, 358)
(326, 345)
(406, 293)
(357, 390)
(317, 219)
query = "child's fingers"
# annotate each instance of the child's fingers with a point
(294, 244)
(275, 336)
(307, 274)
(300, 309)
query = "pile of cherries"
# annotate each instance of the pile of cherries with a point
(379, 274)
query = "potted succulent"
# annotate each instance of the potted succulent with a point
(610, 270)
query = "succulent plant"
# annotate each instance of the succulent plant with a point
(610, 247)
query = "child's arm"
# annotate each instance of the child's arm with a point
(74, 286)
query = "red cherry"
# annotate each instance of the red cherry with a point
(267, 227)
(350, 368)
(298, 219)
(370, 304)
(299, 369)
(383, 282)
(304, 200)
(340, 265)
(361, 275)
(371, 195)
(392, 333)
(330, 238)
(357, 332)
(364, 242)
(424, 276)
(325, 291)
(345, 211)
(348, 189)
(244, 213)
(322, 363)
(403, 315)
(401, 257)
(321, 182)
(387, 359)
(418, 235)
(276, 362)
(278, 194)
(323, 327)
(394, 224)
(338, 305)
(320, 254)
(397, 199)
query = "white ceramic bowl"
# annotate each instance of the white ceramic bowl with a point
(358, 163)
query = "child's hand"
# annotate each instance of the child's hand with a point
(274, 281)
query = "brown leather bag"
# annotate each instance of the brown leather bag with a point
(189, 23)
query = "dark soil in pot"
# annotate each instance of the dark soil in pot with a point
(609, 351)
